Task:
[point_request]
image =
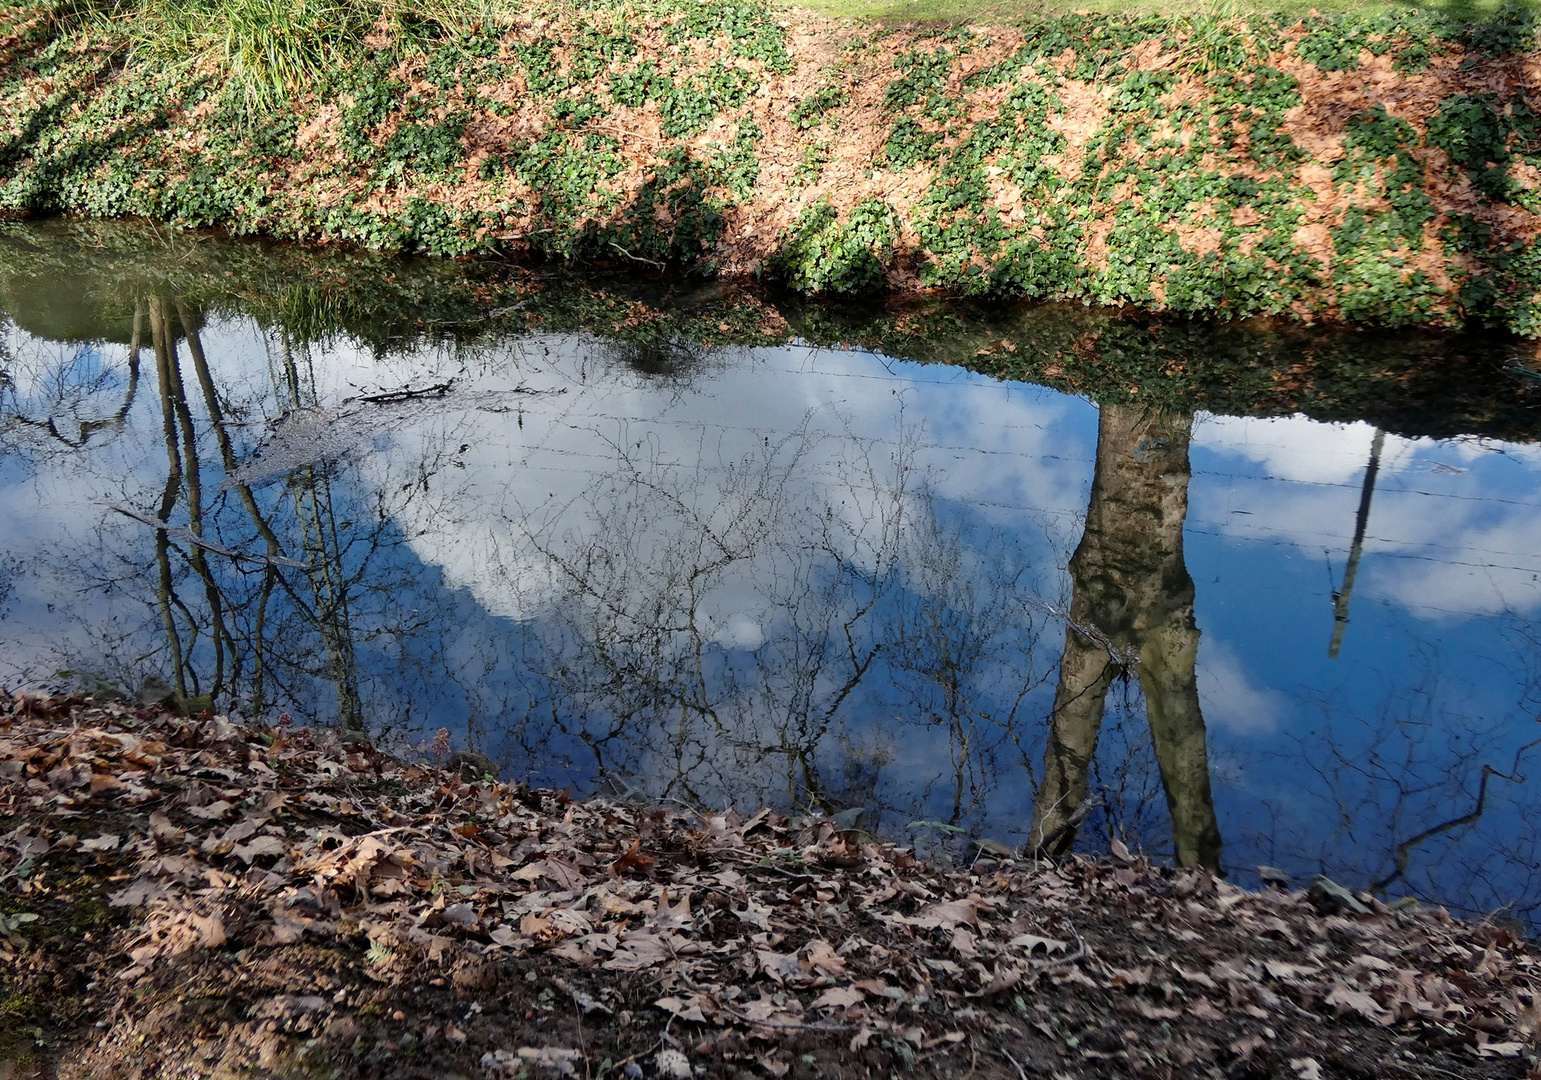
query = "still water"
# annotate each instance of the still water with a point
(775, 571)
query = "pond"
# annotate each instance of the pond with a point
(1237, 596)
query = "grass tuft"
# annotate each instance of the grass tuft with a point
(267, 50)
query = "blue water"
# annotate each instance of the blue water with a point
(787, 575)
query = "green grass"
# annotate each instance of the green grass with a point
(1006, 12)
(270, 47)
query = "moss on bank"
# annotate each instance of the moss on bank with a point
(1380, 170)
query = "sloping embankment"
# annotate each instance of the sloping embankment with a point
(186, 897)
(1377, 171)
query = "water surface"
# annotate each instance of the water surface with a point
(665, 536)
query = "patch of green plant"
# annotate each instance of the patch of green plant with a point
(811, 111)
(1141, 92)
(737, 166)
(1376, 155)
(632, 88)
(752, 28)
(432, 149)
(687, 107)
(1474, 131)
(811, 167)
(1512, 29)
(574, 112)
(1220, 45)
(374, 98)
(592, 51)
(679, 192)
(825, 254)
(1025, 136)
(268, 48)
(910, 144)
(922, 81)
(568, 175)
(1332, 42)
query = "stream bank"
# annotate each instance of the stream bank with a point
(190, 896)
(1378, 170)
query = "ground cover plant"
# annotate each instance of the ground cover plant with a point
(184, 895)
(1379, 168)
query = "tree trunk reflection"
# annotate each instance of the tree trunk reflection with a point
(1132, 607)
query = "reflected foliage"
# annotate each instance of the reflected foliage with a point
(74, 281)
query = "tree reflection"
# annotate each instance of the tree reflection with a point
(1132, 611)
(223, 549)
(770, 625)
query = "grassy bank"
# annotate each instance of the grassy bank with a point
(1377, 168)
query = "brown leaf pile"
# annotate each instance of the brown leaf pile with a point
(325, 895)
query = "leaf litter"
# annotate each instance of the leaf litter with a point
(198, 897)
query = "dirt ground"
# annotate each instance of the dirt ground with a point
(193, 897)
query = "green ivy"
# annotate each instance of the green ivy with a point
(824, 254)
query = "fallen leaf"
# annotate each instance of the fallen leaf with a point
(1347, 1000)
(137, 893)
(285, 1006)
(672, 1065)
(821, 957)
(949, 914)
(633, 860)
(838, 997)
(1248, 1045)
(461, 915)
(1033, 943)
(163, 830)
(214, 811)
(262, 845)
(1501, 1049)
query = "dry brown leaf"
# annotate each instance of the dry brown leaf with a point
(163, 830)
(644, 950)
(838, 997)
(685, 1009)
(1501, 1049)
(821, 957)
(633, 861)
(262, 845)
(1346, 999)
(948, 914)
(138, 893)
(214, 811)
(461, 915)
(1032, 943)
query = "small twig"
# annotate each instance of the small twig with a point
(636, 258)
(180, 532)
(390, 397)
(1003, 1052)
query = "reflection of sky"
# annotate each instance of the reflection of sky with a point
(533, 434)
